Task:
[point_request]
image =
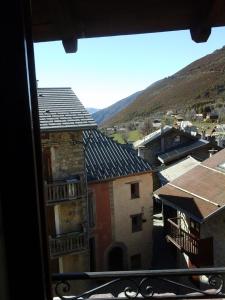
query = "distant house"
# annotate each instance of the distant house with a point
(188, 127)
(120, 205)
(178, 119)
(219, 133)
(212, 116)
(170, 113)
(194, 222)
(169, 144)
(199, 117)
(156, 123)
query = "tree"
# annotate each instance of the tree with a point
(147, 127)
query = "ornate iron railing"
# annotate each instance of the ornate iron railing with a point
(63, 191)
(152, 284)
(67, 243)
(183, 240)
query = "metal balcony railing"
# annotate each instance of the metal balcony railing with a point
(183, 240)
(64, 191)
(67, 243)
(147, 284)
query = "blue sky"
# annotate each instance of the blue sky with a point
(105, 70)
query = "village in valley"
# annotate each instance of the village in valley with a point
(156, 203)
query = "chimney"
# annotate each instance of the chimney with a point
(212, 151)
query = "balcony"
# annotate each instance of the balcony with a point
(183, 240)
(67, 243)
(143, 284)
(64, 191)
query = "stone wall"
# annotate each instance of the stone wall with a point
(67, 153)
(64, 154)
(214, 227)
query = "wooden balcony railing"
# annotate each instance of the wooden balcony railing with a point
(183, 240)
(64, 191)
(67, 243)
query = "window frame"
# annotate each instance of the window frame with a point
(135, 194)
(19, 44)
(138, 226)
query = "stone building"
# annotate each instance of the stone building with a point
(63, 120)
(120, 205)
(195, 222)
(169, 144)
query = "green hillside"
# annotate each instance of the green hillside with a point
(200, 83)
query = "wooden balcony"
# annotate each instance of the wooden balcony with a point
(64, 191)
(183, 240)
(67, 243)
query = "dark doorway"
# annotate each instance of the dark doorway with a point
(92, 254)
(115, 259)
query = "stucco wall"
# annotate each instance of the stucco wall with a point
(137, 242)
(102, 231)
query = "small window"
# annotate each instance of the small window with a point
(177, 139)
(136, 222)
(194, 228)
(134, 189)
(135, 262)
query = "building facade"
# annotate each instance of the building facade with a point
(120, 202)
(169, 144)
(194, 203)
(63, 120)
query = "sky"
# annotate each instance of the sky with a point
(108, 69)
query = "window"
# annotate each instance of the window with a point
(135, 262)
(134, 190)
(177, 139)
(136, 222)
(194, 228)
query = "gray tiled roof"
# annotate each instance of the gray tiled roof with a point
(181, 152)
(152, 136)
(60, 109)
(107, 159)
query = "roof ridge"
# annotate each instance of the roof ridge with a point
(193, 194)
(57, 87)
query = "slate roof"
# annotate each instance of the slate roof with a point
(182, 151)
(60, 109)
(199, 192)
(152, 136)
(177, 169)
(106, 159)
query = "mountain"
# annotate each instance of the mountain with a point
(200, 83)
(92, 110)
(108, 112)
